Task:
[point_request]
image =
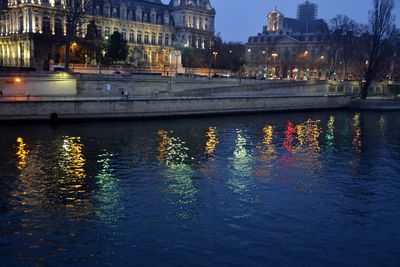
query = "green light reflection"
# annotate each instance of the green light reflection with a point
(108, 194)
(242, 165)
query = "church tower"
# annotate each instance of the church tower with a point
(307, 11)
(194, 20)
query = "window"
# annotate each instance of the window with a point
(131, 37)
(153, 18)
(153, 38)
(166, 42)
(107, 32)
(99, 31)
(139, 37)
(106, 11)
(123, 34)
(146, 38)
(21, 24)
(97, 11)
(58, 27)
(114, 12)
(160, 39)
(36, 24)
(46, 25)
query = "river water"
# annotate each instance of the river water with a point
(279, 189)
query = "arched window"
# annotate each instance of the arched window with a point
(153, 38)
(160, 39)
(146, 38)
(131, 37)
(139, 37)
(166, 42)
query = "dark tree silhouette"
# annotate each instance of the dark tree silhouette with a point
(381, 19)
(75, 11)
(117, 48)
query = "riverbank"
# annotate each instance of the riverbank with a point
(375, 104)
(162, 107)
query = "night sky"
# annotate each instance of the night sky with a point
(236, 19)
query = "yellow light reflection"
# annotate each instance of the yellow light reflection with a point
(268, 153)
(269, 148)
(163, 144)
(313, 133)
(22, 153)
(212, 141)
(357, 132)
(73, 159)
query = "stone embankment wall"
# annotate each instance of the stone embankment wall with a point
(353, 87)
(136, 108)
(163, 86)
(38, 85)
(85, 85)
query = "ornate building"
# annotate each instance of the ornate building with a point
(290, 48)
(31, 31)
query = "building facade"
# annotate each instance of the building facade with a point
(31, 31)
(290, 48)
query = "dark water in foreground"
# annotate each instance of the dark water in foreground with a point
(282, 189)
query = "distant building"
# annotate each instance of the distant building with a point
(290, 48)
(31, 31)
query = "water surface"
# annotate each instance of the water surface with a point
(279, 189)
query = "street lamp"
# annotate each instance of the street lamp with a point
(163, 61)
(250, 62)
(215, 54)
(103, 53)
(274, 56)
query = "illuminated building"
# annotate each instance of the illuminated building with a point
(288, 47)
(31, 30)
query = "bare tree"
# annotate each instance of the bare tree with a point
(75, 12)
(342, 41)
(381, 19)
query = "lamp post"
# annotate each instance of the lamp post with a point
(215, 54)
(266, 63)
(250, 62)
(231, 61)
(163, 51)
(322, 58)
(274, 56)
(21, 56)
(103, 54)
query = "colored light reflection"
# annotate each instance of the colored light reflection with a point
(242, 165)
(313, 133)
(163, 144)
(357, 132)
(108, 194)
(268, 153)
(73, 162)
(212, 141)
(330, 135)
(173, 152)
(22, 153)
(269, 148)
(289, 137)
